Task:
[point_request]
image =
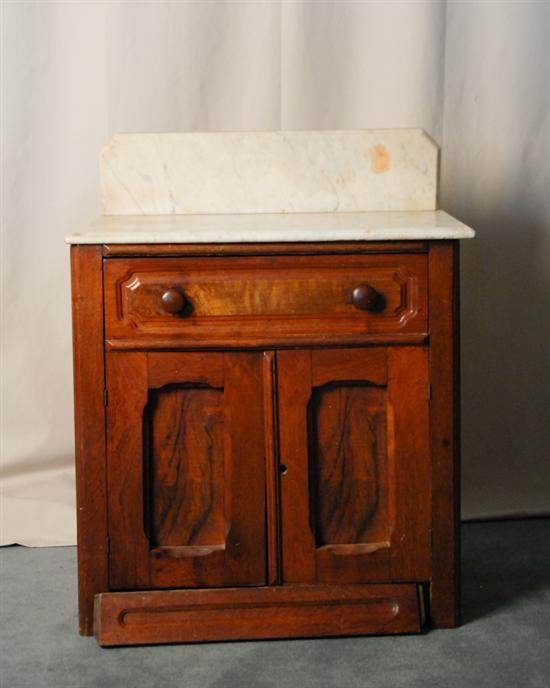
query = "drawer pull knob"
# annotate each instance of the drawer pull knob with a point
(173, 301)
(365, 297)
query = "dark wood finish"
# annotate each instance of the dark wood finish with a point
(173, 301)
(143, 618)
(271, 468)
(444, 422)
(266, 299)
(350, 469)
(247, 429)
(355, 439)
(186, 468)
(271, 337)
(297, 537)
(89, 383)
(365, 298)
(186, 484)
(267, 249)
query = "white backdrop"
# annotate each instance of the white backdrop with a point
(475, 75)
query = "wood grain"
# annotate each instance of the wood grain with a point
(129, 545)
(297, 528)
(445, 434)
(408, 404)
(263, 249)
(272, 467)
(357, 491)
(271, 337)
(168, 368)
(186, 470)
(173, 616)
(89, 415)
(186, 474)
(246, 540)
(329, 365)
(263, 298)
(323, 471)
(350, 472)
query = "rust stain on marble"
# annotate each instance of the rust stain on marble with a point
(380, 159)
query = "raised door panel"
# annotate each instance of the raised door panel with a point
(185, 467)
(349, 471)
(186, 470)
(355, 487)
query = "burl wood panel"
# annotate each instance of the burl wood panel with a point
(139, 618)
(186, 466)
(349, 470)
(267, 300)
(354, 436)
(89, 415)
(185, 445)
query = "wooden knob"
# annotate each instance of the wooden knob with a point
(364, 297)
(173, 301)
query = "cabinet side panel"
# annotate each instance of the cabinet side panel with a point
(444, 422)
(89, 383)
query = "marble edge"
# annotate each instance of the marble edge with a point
(448, 228)
(135, 134)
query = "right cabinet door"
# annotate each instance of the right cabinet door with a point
(355, 486)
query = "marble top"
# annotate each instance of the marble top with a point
(270, 186)
(272, 227)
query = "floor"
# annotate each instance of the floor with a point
(504, 640)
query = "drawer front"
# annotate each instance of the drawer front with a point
(264, 300)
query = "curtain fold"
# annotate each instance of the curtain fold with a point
(475, 76)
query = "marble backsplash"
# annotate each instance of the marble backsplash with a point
(269, 172)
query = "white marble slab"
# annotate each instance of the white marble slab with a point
(190, 229)
(269, 172)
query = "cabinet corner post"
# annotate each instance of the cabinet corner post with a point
(89, 382)
(445, 432)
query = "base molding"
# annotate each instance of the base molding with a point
(298, 611)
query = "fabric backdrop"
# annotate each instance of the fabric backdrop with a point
(475, 75)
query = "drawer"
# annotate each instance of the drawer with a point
(236, 301)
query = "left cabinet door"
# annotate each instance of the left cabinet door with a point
(185, 470)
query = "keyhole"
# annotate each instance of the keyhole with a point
(282, 469)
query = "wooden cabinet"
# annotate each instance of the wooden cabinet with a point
(185, 470)
(354, 440)
(263, 300)
(266, 439)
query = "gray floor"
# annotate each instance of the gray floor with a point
(504, 641)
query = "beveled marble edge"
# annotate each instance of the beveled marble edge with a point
(280, 227)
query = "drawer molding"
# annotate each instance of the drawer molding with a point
(267, 300)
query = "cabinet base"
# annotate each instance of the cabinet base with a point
(300, 611)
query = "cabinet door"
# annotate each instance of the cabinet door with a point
(185, 464)
(355, 473)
